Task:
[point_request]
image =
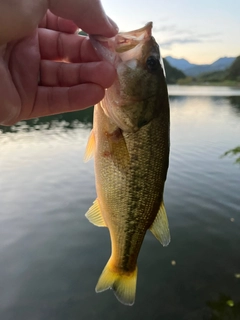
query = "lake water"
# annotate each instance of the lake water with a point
(51, 256)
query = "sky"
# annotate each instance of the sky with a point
(199, 31)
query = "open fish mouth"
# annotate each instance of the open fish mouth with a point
(128, 47)
(126, 41)
(118, 47)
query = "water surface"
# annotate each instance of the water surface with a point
(51, 256)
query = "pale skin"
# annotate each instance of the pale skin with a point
(37, 38)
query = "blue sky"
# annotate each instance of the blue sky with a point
(200, 31)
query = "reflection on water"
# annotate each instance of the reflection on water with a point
(233, 152)
(235, 103)
(199, 91)
(224, 308)
(65, 121)
(51, 256)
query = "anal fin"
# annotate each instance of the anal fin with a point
(160, 228)
(94, 215)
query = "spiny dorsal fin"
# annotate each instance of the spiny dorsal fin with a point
(90, 147)
(160, 228)
(94, 215)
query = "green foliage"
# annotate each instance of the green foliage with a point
(213, 76)
(224, 308)
(233, 152)
(234, 70)
(172, 74)
(185, 81)
(82, 33)
(231, 76)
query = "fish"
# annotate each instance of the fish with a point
(130, 144)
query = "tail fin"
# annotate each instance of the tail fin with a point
(123, 284)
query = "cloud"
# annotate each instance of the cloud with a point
(176, 35)
(165, 28)
(168, 44)
(187, 40)
(215, 35)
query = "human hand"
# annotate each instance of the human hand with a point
(53, 70)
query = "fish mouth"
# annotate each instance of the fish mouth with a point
(125, 41)
(124, 46)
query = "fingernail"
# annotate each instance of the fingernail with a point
(113, 24)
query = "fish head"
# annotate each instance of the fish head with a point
(135, 97)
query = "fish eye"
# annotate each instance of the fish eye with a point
(152, 63)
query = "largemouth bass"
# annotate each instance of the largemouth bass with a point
(130, 144)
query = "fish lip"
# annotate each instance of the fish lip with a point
(146, 29)
(113, 49)
(137, 33)
(103, 51)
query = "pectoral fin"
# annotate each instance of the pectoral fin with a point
(160, 228)
(90, 147)
(94, 215)
(118, 149)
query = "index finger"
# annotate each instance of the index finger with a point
(54, 45)
(88, 15)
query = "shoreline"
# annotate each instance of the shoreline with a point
(210, 84)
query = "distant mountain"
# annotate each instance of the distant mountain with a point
(181, 64)
(194, 70)
(222, 63)
(172, 74)
(231, 74)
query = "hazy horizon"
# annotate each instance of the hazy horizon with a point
(189, 60)
(200, 32)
